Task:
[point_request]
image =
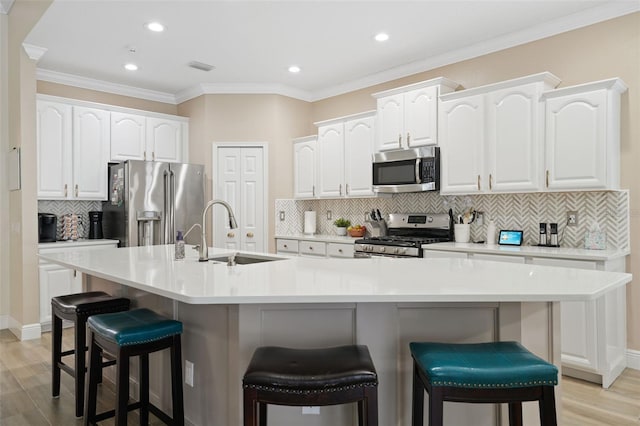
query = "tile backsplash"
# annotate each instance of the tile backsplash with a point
(80, 208)
(609, 209)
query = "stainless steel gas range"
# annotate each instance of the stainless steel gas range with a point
(406, 233)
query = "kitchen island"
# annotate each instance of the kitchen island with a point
(384, 303)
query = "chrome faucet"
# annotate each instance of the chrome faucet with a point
(204, 248)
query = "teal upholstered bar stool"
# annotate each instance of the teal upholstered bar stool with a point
(496, 372)
(138, 332)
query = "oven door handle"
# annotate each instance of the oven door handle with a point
(417, 171)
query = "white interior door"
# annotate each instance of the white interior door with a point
(241, 181)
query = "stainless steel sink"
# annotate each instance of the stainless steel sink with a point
(243, 259)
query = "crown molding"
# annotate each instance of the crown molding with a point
(592, 16)
(104, 86)
(34, 52)
(5, 6)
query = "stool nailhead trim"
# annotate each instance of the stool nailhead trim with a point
(496, 385)
(310, 391)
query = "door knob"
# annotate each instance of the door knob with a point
(250, 234)
(231, 234)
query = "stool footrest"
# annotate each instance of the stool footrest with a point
(69, 352)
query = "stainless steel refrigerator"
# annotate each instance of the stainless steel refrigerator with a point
(149, 202)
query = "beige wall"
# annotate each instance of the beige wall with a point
(601, 51)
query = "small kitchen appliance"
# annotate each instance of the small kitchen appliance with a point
(406, 233)
(95, 225)
(47, 227)
(407, 170)
(553, 234)
(542, 240)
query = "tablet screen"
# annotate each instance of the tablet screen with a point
(510, 238)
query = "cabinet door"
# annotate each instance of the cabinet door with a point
(513, 138)
(461, 127)
(576, 154)
(127, 137)
(420, 117)
(55, 281)
(164, 140)
(90, 153)
(358, 148)
(331, 161)
(304, 169)
(54, 156)
(390, 126)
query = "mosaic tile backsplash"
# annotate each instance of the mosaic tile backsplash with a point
(609, 209)
(80, 208)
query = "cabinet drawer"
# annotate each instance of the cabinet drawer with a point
(339, 250)
(313, 248)
(498, 258)
(436, 254)
(287, 246)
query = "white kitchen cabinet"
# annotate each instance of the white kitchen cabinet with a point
(304, 167)
(314, 248)
(490, 136)
(582, 142)
(55, 280)
(340, 250)
(285, 246)
(138, 137)
(72, 151)
(344, 150)
(407, 117)
(594, 337)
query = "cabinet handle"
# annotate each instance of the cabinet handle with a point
(490, 182)
(399, 140)
(547, 179)
(250, 234)
(153, 156)
(408, 139)
(65, 190)
(313, 190)
(340, 190)
(75, 273)
(346, 189)
(144, 155)
(478, 182)
(231, 234)
(76, 190)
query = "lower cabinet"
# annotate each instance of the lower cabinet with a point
(594, 336)
(56, 280)
(313, 248)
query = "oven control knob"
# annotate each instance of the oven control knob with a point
(382, 249)
(402, 251)
(396, 250)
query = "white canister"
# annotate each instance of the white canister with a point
(309, 222)
(462, 232)
(491, 233)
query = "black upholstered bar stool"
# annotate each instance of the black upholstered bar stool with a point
(77, 308)
(310, 377)
(496, 372)
(137, 332)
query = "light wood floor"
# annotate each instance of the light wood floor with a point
(25, 391)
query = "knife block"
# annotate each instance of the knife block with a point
(377, 228)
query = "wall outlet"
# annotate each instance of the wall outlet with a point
(281, 215)
(572, 218)
(329, 215)
(188, 373)
(310, 410)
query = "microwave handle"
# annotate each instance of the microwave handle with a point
(417, 171)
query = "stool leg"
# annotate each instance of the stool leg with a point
(417, 413)
(176, 381)
(144, 389)
(436, 406)
(91, 394)
(371, 404)
(250, 406)
(361, 412)
(262, 413)
(515, 414)
(548, 407)
(80, 333)
(56, 350)
(122, 387)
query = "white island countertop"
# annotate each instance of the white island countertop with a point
(325, 280)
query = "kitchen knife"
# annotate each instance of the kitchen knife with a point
(373, 215)
(379, 215)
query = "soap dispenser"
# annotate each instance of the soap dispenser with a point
(179, 246)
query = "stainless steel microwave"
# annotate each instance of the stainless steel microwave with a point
(407, 170)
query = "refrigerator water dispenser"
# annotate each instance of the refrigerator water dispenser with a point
(148, 228)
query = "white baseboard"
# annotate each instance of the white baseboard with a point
(24, 332)
(633, 359)
(4, 322)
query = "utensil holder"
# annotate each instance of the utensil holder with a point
(462, 232)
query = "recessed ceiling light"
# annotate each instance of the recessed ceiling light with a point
(294, 69)
(381, 37)
(131, 67)
(156, 27)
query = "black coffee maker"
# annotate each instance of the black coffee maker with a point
(95, 225)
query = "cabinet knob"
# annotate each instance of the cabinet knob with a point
(250, 234)
(310, 248)
(286, 246)
(478, 182)
(231, 234)
(339, 250)
(76, 190)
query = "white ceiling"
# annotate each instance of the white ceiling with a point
(252, 43)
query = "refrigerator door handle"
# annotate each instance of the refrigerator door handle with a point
(167, 212)
(172, 207)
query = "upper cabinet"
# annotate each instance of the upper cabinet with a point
(304, 167)
(407, 116)
(583, 136)
(345, 148)
(491, 137)
(72, 151)
(136, 137)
